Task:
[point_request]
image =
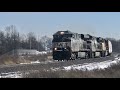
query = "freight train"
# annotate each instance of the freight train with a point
(67, 45)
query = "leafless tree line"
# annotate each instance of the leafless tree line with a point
(10, 39)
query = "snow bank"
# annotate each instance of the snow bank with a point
(90, 66)
(35, 62)
(41, 53)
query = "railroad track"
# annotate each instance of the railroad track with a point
(47, 66)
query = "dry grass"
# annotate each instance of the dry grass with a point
(10, 59)
(36, 57)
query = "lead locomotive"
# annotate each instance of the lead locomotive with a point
(67, 45)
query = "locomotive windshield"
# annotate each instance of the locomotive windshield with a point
(62, 38)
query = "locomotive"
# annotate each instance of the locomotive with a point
(67, 45)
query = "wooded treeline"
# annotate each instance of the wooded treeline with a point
(11, 39)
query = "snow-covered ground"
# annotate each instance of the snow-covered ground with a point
(83, 67)
(89, 66)
(34, 62)
(41, 53)
(11, 75)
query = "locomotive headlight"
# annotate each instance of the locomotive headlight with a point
(55, 48)
(61, 32)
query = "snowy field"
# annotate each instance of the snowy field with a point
(83, 67)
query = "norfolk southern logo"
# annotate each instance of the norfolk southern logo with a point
(62, 44)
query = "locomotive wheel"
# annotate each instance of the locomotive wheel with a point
(73, 57)
(86, 55)
(89, 55)
(103, 54)
(106, 53)
(93, 55)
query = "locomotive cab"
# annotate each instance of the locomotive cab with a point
(61, 45)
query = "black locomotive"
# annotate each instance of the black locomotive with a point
(67, 45)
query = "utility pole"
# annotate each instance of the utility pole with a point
(13, 29)
(38, 42)
(30, 43)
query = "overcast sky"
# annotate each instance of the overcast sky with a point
(103, 24)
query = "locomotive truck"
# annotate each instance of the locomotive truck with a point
(67, 45)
